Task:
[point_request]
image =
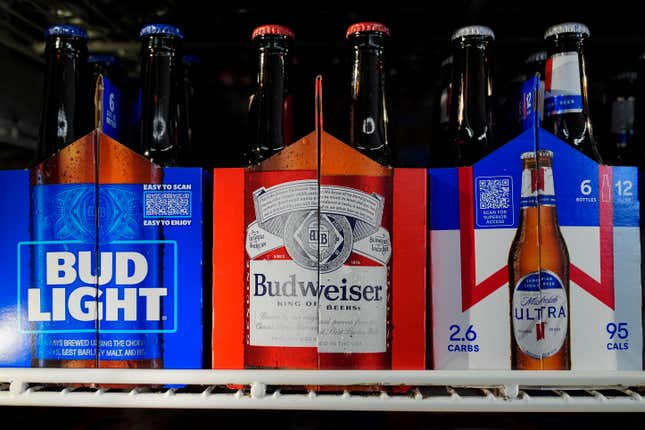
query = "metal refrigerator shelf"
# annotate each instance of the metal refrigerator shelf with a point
(431, 391)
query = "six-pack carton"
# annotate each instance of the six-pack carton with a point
(535, 259)
(319, 261)
(102, 258)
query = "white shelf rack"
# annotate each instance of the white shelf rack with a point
(431, 391)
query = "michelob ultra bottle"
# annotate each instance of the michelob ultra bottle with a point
(270, 107)
(368, 110)
(566, 102)
(538, 265)
(471, 95)
(62, 189)
(161, 93)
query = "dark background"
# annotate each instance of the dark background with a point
(219, 33)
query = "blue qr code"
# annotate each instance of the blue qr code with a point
(167, 204)
(494, 193)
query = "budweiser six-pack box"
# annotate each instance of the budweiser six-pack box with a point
(535, 259)
(319, 261)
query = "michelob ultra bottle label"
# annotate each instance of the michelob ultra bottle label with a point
(537, 187)
(318, 266)
(95, 282)
(563, 91)
(539, 314)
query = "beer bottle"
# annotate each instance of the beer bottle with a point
(471, 99)
(538, 265)
(368, 110)
(536, 63)
(65, 119)
(566, 104)
(270, 108)
(621, 150)
(65, 116)
(161, 93)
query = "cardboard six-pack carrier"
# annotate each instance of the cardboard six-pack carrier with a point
(102, 257)
(593, 304)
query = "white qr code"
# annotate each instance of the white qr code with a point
(167, 204)
(494, 193)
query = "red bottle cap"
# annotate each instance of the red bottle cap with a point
(367, 26)
(272, 29)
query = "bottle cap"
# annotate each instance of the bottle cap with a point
(567, 27)
(66, 30)
(102, 58)
(360, 27)
(279, 30)
(154, 29)
(536, 57)
(473, 30)
(538, 153)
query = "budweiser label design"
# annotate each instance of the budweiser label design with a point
(562, 86)
(540, 314)
(318, 266)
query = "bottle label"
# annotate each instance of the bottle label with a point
(318, 267)
(98, 281)
(537, 187)
(540, 314)
(563, 90)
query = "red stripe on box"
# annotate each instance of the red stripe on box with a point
(228, 269)
(409, 269)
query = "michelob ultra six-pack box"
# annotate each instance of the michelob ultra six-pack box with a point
(319, 261)
(102, 260)
(535, 259)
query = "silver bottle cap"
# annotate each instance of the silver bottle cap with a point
(567, 27)
(473, 30)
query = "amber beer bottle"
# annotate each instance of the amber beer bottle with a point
(355, 326)
(538, 265)
(65, 115)
(270, 107)
(368, 117)
(566, 102)
(471, 95)
(161, 93)
(66, 118)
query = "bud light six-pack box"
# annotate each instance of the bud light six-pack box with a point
(102, 257)
(319, 260)
(535, 258)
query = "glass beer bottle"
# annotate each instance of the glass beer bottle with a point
(270, 107)
(566, 101)
(471, 95)
(538, 265)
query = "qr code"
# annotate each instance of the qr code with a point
(167, 204)
(494, 193)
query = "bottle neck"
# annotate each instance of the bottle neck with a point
(566, 102)
(537, 185)
(471, 100)
(65, 115)
(368, 118)
(160, 99)
(270, 110)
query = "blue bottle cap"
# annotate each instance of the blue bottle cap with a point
(66, 30)
(152, 29)
(102, 58)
